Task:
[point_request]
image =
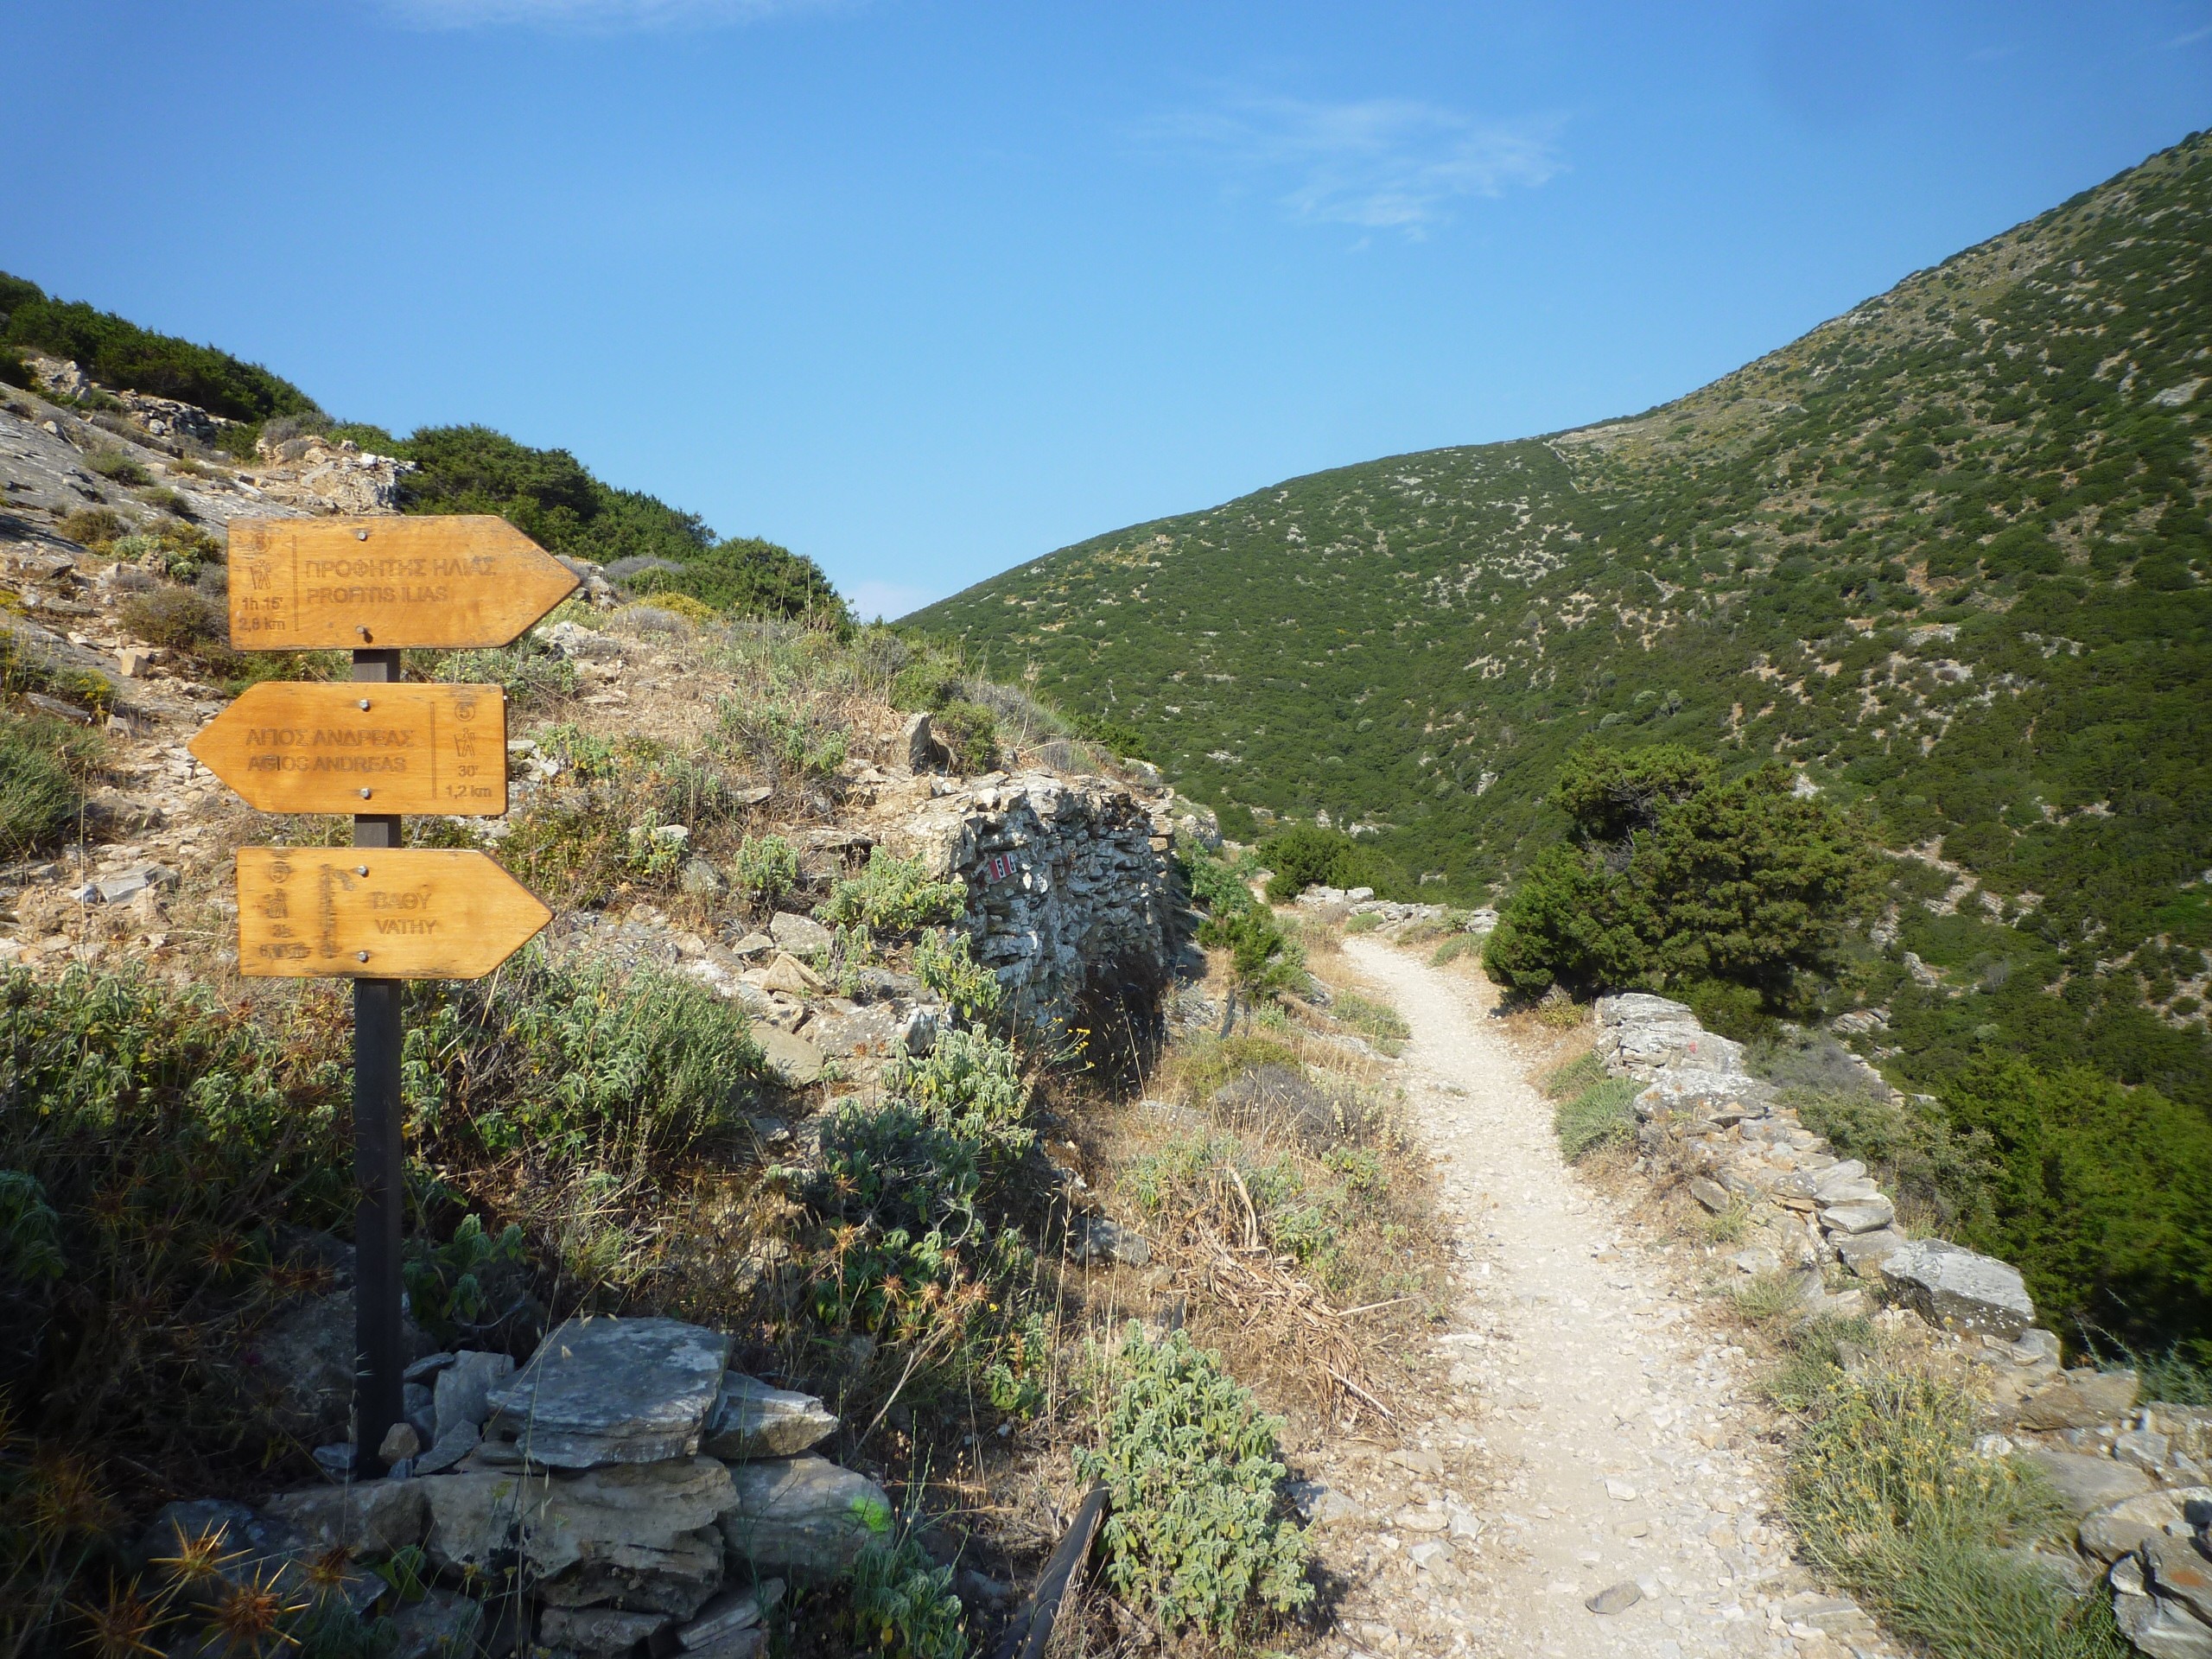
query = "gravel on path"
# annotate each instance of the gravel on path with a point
(1615, 1417)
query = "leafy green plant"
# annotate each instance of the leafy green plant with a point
(568, 1060)
(658, 850)
(892, 895)
(2101, 1195)
(30, 1238)
(790, 739)
(970, 1083)
(764, 868)
(1601, 1116)
(944, 961)
(969, 733)
(1670, 877)
(450, 1287)
(1197, 1536)
(902, 1606)
(1264, 960)
(43, 764)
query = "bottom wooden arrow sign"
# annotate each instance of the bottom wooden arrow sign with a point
(365, 912)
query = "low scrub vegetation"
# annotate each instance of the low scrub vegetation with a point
(1892, 1501)
(1672, 879)
(1199, 1536)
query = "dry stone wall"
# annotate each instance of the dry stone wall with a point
(2133, 1473)
(1070, 896)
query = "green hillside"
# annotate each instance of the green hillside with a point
(1948, 554)
(546, 493)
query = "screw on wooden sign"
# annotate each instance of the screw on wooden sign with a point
(303, 747)
(446, 583)
(357, 912)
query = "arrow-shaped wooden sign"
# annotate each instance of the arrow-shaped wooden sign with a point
(379, 584)
(362, 912)
(294, 747)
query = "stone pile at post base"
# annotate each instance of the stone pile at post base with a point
(623, 1487)
(2136, 1475)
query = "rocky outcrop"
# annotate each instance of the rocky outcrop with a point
(1068, 895)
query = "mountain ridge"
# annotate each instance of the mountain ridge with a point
(1942, 554)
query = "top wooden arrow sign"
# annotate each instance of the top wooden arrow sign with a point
(378, 584)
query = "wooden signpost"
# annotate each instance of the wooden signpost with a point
(304, 747)
(380, 913)
(317, 913)
(350, 584)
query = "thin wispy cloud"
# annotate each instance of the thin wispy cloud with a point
(1383, 164)
(591, 15)
(2190, 38)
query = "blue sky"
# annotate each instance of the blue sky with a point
(927, 289)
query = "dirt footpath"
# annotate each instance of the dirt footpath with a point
(1604, 1439)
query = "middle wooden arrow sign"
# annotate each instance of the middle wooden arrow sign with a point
(362, 747)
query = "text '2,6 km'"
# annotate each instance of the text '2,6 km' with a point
(357, 584)
(290, 746)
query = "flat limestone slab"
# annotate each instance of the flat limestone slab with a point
(611, 1390)
(1955, 1288)
(751, 1419)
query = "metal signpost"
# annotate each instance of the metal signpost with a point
(381, 912)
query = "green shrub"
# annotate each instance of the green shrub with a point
(1603, 1115)
(2103, 1198)
(943, 962)
(898, 1165)
(970, 733)
(1264, 960)
(892, 895)
(121, 354)
(1304, 856)
(1891, 1501)
(180, 618)
(925, 685)
(1216, 885)
(575, 1062)
(529, 671)
(764, 869)
(902, 1606)
(1197, 1536)
(970, 1083)
(1921, 1158)
(117, 468)
(169, 1138)
(790, 740)
(94, 527)
(453, 1288)
(42, 765)
(1366, 922)
(1668, 877)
